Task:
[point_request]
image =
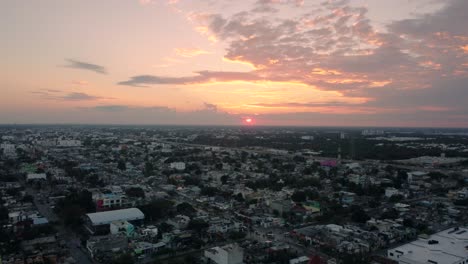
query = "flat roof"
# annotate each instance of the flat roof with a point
(451, 248)
(103, 218)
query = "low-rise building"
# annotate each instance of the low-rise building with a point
(97, 223)
(228, 254)
(446, 247)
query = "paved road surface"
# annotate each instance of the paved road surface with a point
(71, 240)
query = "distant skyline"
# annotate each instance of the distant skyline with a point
(255, 62)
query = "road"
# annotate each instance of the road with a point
(69, 237)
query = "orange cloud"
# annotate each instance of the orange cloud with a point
(189, 53)
(465, 49)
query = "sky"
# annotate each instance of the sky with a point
(206, 62)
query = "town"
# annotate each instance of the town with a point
(231, 195)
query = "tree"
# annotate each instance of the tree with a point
(135, 192)
(3, 213)
(74, 206)
(28, 199)
(157, 209)
(435, 175)
(185, 208)
(359, 215)
(198, 225)
(123, 259)
(298, 196)
(121, 165)
(390, 214)
(239, 197)
(165, 227)
(312, 194)
(408, 222)
(235, 235)
(395, 198)
(208, 191)
(224, 179)
(149, 169)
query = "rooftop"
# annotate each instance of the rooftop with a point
(103, 218)
(449, 246)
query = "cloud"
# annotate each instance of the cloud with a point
(441, 21)
(80, 83)
(189, 53)
(211, 107)
(77, 96)
(75, 64)
(200, 77)
(306, 105)
(125, 114)
(120, 108)
(52, 94)
(410, 66)
(111, 108)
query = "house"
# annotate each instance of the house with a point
(122, 227)
(281, 206)
(143, 248)
(36, 177)
(179, 221)
(299, 260)
(228, 254)
(105, 201)
(390, 191)
(180, 166)
(100, 222)
(106, 244)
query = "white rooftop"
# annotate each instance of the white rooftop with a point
(451, 248)
(103, 218)
(36, 176)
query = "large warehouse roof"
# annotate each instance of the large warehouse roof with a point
(447, 247)
(104, 218)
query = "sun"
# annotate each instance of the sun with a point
(248, 121)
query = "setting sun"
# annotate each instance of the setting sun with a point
(248, 121)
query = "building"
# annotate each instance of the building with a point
(180, 166)
(9, 150)
(372, 132)
(105, 201)
(69, 143)
(446, 247)
(390, 191)
(228, 254)
(106, 245)
(36, 177)
(122, 227)
(100, 222)
(299, 260)
(281, 206)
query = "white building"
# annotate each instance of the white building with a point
(446, 247)
(68, 143)
(307, 137)
(9, 150)
(372, 132)
(109, 200)
(390, 191)
(178, 165)
(228, 254)
(36, 176)
(299, 260)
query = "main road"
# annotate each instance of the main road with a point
(71, 240)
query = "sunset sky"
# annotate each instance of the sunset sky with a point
(277, 62)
